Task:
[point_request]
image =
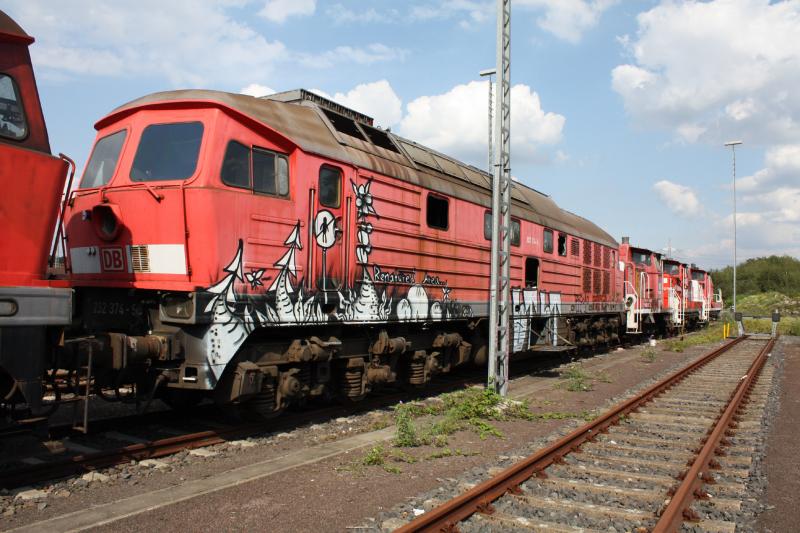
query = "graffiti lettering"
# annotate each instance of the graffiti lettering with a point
(433, 280)
(407, 277)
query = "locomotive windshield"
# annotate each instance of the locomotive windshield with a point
(698, 275)
(671, 268)
(167, 152)
(12, 117)
(104, 160)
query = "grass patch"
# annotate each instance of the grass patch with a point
(381, 423)
(712, 333)
(576, 378)
(787, 326)
(603, 376)
(649, 354)
(406, 432)
(447, 452)
(474, 409)
(379, 456)
(376, 456)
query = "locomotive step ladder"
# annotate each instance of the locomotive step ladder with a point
(80, 405)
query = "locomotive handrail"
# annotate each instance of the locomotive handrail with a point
(59, 237)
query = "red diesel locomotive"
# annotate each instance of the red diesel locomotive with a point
(32, 307)
(284, 248)
(267, 251)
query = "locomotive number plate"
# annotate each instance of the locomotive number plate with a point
(113, 309)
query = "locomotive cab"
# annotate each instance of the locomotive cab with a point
(32, 307)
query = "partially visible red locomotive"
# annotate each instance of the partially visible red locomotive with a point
(33, 308)
(269, 251)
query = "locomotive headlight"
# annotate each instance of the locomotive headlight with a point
(178, 306)
(106, 221)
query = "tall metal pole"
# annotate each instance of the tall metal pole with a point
(733, 145)
(489, 72)
(499, 289)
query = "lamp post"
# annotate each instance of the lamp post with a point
(733, 145)
(489, 72)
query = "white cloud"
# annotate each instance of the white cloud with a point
(568, 19)
(768, 202)
(475, 11)
(376, 99)
(728, 69)
(257, 90)
(280, 10)
(344, 15)
(188, 43)
(782, 168)
(372, 53)
(719, 70)
(680, 199)
(456, 123)
(194, 44)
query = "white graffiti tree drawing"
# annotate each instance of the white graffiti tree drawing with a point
(365, 304)
(230, 326)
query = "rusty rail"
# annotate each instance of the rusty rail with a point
(678, 508)
(480, 498)
(78, 464)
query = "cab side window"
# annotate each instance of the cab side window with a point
(13, 124)
(548, 241)
(260, 170)
(330, 187)
(236, 165)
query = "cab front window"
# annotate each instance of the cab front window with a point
(167, 152)
(104, 159)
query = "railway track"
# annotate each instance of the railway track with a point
(97, 450)
(675, 456)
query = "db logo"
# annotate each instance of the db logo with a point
(112, 259)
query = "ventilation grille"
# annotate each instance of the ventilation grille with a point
(140, 258)
(576, 247)
(587, 253)
(597, 281)
(597, 254)
(606, 283)
(606, 257)
(587, 281)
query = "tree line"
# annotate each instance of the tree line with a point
(762, 274)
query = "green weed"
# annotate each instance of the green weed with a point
(576, 379)
(649, 354)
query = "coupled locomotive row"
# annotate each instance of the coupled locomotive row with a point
(269, 251)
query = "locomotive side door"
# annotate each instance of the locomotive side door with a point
(327, 229)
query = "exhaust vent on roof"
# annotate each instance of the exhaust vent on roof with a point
(300, 95)
(344, 124)
(379, 138)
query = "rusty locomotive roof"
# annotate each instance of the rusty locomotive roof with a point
(311, 124)
(11, 31)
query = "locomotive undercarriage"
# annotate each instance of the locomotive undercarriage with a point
(136, 356)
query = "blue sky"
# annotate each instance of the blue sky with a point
(619, 108)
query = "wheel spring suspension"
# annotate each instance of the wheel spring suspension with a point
(352, 382)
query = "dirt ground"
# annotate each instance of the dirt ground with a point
(340, 493)
(782, 464)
